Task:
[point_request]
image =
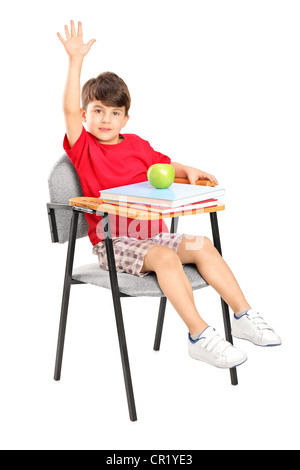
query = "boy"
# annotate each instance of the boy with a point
(104, 158)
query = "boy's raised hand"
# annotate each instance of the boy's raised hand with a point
(73, 43)
(76, 50)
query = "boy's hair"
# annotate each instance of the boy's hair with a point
(108, 88)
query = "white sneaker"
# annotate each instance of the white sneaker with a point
(252, 326)
(213, 349)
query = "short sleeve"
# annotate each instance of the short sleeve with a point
(160, 158)
(75, 153)
(157, 157)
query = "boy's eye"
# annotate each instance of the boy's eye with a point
(115, 113)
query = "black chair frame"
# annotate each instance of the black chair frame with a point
(116, 294)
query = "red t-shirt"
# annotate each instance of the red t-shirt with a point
(101, 166)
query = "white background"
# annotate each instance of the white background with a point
(214, 84)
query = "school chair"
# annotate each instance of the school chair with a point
(68, 223)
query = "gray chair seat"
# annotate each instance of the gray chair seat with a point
(146, 286)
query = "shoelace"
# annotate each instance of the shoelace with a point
(214, 343)
(257, 320)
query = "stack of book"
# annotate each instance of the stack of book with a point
(177, 198)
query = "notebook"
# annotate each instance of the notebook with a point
(176, 195)
(165, 210)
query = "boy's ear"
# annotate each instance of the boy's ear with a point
(83, 114)
(126, 118)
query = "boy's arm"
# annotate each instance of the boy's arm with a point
(192, 174)
(76, 50)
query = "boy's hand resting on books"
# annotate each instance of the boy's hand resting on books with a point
(193, 175)
(73, 43)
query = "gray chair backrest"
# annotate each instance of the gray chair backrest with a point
(63, 184)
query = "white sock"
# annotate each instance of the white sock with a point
(241, 313)
(197, 335)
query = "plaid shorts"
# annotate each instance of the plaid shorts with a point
(130, 252)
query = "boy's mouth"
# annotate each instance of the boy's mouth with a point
(104, 129)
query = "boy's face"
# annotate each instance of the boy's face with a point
(105, 122)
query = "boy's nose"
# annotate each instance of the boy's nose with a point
(105, 118)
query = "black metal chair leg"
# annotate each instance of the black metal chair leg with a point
(225, 309)
(227, 324)
(66, 296)
(174, 225)
(163, 300)
(119, 316)
(160, 323)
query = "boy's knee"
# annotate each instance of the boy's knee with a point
(169, 256)
(163, 257)
(197, 243)
(207, 243)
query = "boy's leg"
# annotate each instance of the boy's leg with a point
(207, 346)
(175, 285)
(212, 267)
(248, 324)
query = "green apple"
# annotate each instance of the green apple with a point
(161, 175)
